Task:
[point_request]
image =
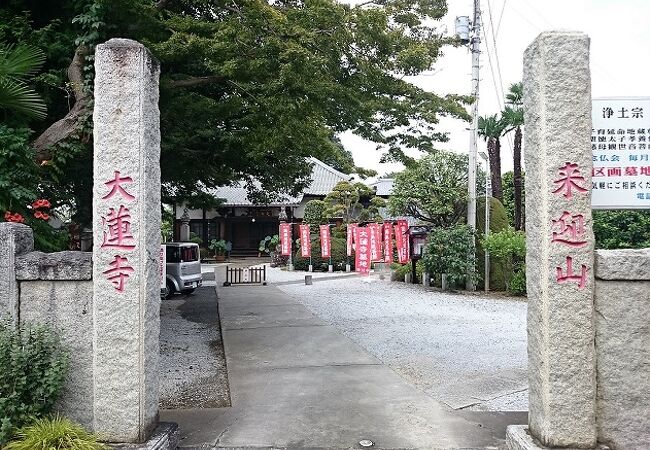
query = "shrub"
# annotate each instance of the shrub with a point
(315, 212)
(518, 282)
(34, 365)
(400, 270)
(498, 222)
(339, 256)
(450, 251)
(507, 250)
(54, 434)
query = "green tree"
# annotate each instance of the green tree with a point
(353, 201)
(513, 119)
(432, 189)
(248, 89)
(447, 251)
(491, 128)
(507, 248)
(315, 212)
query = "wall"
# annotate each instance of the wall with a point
(622, 322)
(57, 289)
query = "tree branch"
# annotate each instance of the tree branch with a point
(65, 127)
(195, 81)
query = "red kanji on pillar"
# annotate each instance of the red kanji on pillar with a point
(117, 229)
(116, 186)
(569, 180)
(562, 277)
(118, 272)
(569, 229)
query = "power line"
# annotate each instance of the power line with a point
(503, 8)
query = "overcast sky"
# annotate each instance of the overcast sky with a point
(620, 58)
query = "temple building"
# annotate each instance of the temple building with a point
(245, 224)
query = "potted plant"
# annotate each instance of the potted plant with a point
(219, 249)
(269, 245)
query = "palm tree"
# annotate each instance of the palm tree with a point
(17, 63)
(491, 129)
(513, 119)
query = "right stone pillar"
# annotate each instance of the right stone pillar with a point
(560, 244)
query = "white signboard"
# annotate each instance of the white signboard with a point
(620, 142)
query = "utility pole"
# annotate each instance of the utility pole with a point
(475, 47)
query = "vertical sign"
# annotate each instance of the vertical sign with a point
(305, 241)
(377, 253)
(285, 239)
(620, 146)
(374, 254)
(559, 240)
(350, 237)
(402, 241)
(388, 242)
(325, 244)
(163, 267)
(126, 238)
(362, 250)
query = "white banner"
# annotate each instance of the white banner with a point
(620, 143)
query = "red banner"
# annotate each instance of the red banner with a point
(375, 241)
(362, 250)
(325, 244)
(350, 243)
(388, 242)
(402, 241)
(305, 241)
(285, 239)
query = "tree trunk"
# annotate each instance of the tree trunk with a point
(72, 122)
(494, 149)
(517, 180)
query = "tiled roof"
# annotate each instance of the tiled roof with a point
(383, 186)
(324, 178)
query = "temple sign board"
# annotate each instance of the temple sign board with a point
(620, 143)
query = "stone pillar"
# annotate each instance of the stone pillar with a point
(15, 239)
(560, 243)
(185, 226)
(126, 235)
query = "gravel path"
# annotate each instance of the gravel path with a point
(468, 351)
(192, 364)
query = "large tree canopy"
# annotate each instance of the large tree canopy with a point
(249, 88)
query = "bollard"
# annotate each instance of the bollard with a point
(330, 268)
(348, 268)
(444, 282)
(426, 279)
(308, 280)
(311, 268)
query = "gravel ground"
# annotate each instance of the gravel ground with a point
(468, 351)
(192, 364)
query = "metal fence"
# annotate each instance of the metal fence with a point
(245, 275)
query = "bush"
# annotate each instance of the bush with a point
(518, 282)
(498, 222)
(34, 365)
(315, 212)
(400, 270)
(339, 256)
(450, 251)
(507, 250)
(54, 434)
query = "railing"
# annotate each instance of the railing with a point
(245, 275)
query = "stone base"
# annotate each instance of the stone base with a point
(518, 438)
(164, 437)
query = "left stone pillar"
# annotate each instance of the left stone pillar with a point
(126, 241)
(15, 239)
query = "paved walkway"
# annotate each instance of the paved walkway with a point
(297, 382)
